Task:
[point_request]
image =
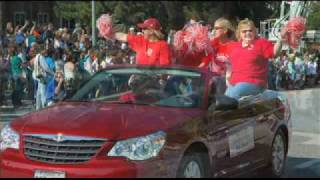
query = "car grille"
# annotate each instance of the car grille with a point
(70, 150)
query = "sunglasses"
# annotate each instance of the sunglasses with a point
(245, 31)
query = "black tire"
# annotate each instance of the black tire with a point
(271, 169)
(200, 159)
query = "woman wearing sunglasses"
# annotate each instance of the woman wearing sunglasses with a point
(223, 38)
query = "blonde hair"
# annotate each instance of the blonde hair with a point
(245, 22)
(157, 33)
(226, 24)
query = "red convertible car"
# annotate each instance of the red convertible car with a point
(143, 121)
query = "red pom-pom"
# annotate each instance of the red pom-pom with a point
(178, 40)
(293, 31)
(192, 39)
(104, 24)
(196, 37)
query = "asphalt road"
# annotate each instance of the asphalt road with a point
(304, 153)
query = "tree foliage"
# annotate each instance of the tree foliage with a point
(313, 21)
(172, 14)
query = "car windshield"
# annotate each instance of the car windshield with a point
(159, 87)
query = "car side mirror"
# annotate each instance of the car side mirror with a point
(223, 103)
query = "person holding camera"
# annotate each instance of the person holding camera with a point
(55, 90)
(41, 74)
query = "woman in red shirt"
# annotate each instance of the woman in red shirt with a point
(249, 60)
(221, 42)
(150, 47)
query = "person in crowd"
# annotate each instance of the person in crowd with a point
(281, 72)
(78, 31)
(151, 48)
(70, 78)
(311, 71)
(50, 62)
(82, 43)
(49, 34)
(16, 72)
(31, 37)
(20, 36)
(291, 71)
(58, 40)
(69, 68)
(271, 75)
(55, 91)
(249, 60)
(59, 64)
(66, 39)
(85, 65)
(41, 74)
(21, 53)
(95, 62)
(300, 68)
(9, 35)
(4, 75)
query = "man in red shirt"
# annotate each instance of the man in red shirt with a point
(249, 59)
(150, 47)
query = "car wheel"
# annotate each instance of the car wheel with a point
(194, 165)
(278, 155)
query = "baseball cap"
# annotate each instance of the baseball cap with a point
(151, 23)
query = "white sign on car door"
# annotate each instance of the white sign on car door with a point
(241, 139)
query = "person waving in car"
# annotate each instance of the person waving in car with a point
(150, 48)
(249, 61)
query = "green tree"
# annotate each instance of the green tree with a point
(172, 14)
(313, 21)
(78, 10)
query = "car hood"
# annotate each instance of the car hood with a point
(103, 120)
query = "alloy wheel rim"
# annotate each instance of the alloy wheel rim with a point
(278, 154)
(192, 170)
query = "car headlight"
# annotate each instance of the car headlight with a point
(9, 138)
(141, 148)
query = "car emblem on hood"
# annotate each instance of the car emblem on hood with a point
(59, 138)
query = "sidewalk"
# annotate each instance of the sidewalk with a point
(8, 112)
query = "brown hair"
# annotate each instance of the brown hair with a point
(69, 57)
(245, 22)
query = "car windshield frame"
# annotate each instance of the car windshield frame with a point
(144, 70)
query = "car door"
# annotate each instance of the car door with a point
(268, 113)
(233, 138)
(232, 135)
(240, 137)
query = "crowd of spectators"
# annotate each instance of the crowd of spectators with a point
(44, 63)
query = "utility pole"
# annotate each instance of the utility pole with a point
(93, 23)
(282, 9)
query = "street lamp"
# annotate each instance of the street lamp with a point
(93, 23)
